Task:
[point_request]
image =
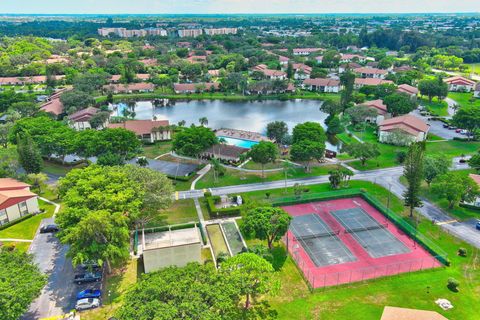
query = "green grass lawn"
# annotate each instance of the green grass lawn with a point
(157, 149)
(474, 67)
(181, 211)
(27, 228)
(258, 166)
(463, 99)
(366, 300)
(20, 246)
(58, 169)
(236, 177)
(436, 107)
(215, 235)
(458, 212)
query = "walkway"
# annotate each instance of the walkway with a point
(15, 240)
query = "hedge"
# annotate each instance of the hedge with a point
(426, 243)
(14, 222)
(223, 212)
(469, 206)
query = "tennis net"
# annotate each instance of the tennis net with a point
(318, 235)
(373, 227)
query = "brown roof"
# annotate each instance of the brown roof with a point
(367, 70)
(371, 81)
(394, 313)
(140, 126)
(143, 76)
(406, 88)
(184, 87)
(407, 123)
(11, 184)
(321, 82)
(83, 115)
(302, 67)
(226, 150)
(149, 62)
(129, 87)
(9, 198)
(377, 104)
(54, 106)
(475, 177)
(273, 73)
(459, 80)
(27, 79)
(347, 56)
(311, 50)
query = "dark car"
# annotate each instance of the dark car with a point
(88, 277)
(89, 266)
(445, 125)
(477, 225)
(49, 228)
(89, 293)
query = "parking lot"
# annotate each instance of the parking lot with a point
(436, 128)
(59, 295)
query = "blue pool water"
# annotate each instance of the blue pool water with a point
(239, 142)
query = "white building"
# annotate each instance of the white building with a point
(220, 31)
(322, 85)
(412, 129)
(190, 33)
(16, 200)
(476, 178)
(476, 92)
(460, 84)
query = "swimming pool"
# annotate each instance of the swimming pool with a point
(239, 142)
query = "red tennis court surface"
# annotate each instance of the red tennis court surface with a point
(357, 262)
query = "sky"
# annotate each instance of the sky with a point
(235, 6)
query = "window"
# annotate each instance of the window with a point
(23, 208)
(3, 217)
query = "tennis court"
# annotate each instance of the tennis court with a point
(373, 236)
(347, 240)
(319, 241)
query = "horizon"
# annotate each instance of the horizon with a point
(237, 7)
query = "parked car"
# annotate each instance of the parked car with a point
(445, 125)
(85, 304)
(89, 293)
(464, 132)
(452, 127)
(49, 228)
(477, 225)
(458, 130)
(89, 266)
(88, 277)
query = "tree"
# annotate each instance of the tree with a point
(37, 180)
(435, 166)
(264, 152)
(474, 162)
(192, 292)
(75, 100)
(455, 187)
(21, 282)
(335, 126)
(28, 154)
(312, 131)
(25, 108)
(307, 150)
(266, 223)
(362, 151)
(339, 177)
(252, 275)
(99, 119)
(193, 140)
(399, 104)
(330, 107)
(142, 162)
(347, 80)
(359, 114)
(468, 118)
(277, 131)
(433, 88)
(4, 133)
(413, 171)
(218, 169)
(203, 121)
(290, 71)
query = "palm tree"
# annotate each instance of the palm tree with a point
(216, 167)
(182, 123)
(203, 121)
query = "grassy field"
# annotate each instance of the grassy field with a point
(463, 99)
(27, 228)
(181, 211)
(20, 246)
(474, 67)
(217, 241)
(236, 177)
(157, 149)
(436, 107)
(257, 166)
(366, 300)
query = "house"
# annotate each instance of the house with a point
(476, 178)
(214, 73)
(283, 60)
(394, 313)
(302, 71)
(80, 120)
(305, 51)
(129, 88)
(367, 72)
(269, 73)
(149, 62)
(147, 130)
(403, 68)
(225, 152)
(322, 85)
(379, 107)
(169, 248)
(476, 92)
(460, 84)
(348, 66)
(54, 105)
(360, 82)
(408, 89)
(20, 81)
(267, 87)
(413, 129)
(195, 87)
(346, 57)
(16, 200)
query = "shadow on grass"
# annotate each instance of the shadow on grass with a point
(279, 257)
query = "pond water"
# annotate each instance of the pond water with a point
(242, 115)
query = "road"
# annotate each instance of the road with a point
(388, 178)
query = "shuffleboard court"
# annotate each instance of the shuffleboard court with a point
(319, 241)
(373, 236)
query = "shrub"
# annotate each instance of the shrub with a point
(453, 284)
(267, 195)
(462, 252)
(400, 156)
(207, 194)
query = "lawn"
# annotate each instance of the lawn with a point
(154, 150)
(366, 300)
(474, 67)
(181, 211)
(462, 98)
(436, 107)
(27, 228)
(215, 235)
(58, 169)
(236, 177)
(20, 246)
(251, 165)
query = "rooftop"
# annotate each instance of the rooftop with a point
(394, 313)
(140, 126)
(408, 123)
(9, 184)
(170, 238)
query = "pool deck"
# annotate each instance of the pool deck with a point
(241, 135)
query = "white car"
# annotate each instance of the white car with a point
(85, 304)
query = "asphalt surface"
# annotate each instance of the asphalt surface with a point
(436, 128)
(59, 295)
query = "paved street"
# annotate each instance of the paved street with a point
(58, 296)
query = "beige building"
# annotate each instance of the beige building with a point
(147, 130)
(406, 127)
(220, 31)
(169, 248)
(16, 200)
(190, 33)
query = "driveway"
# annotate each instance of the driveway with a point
(58, 296)
(436, 128)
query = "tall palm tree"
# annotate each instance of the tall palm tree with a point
(203, 121)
